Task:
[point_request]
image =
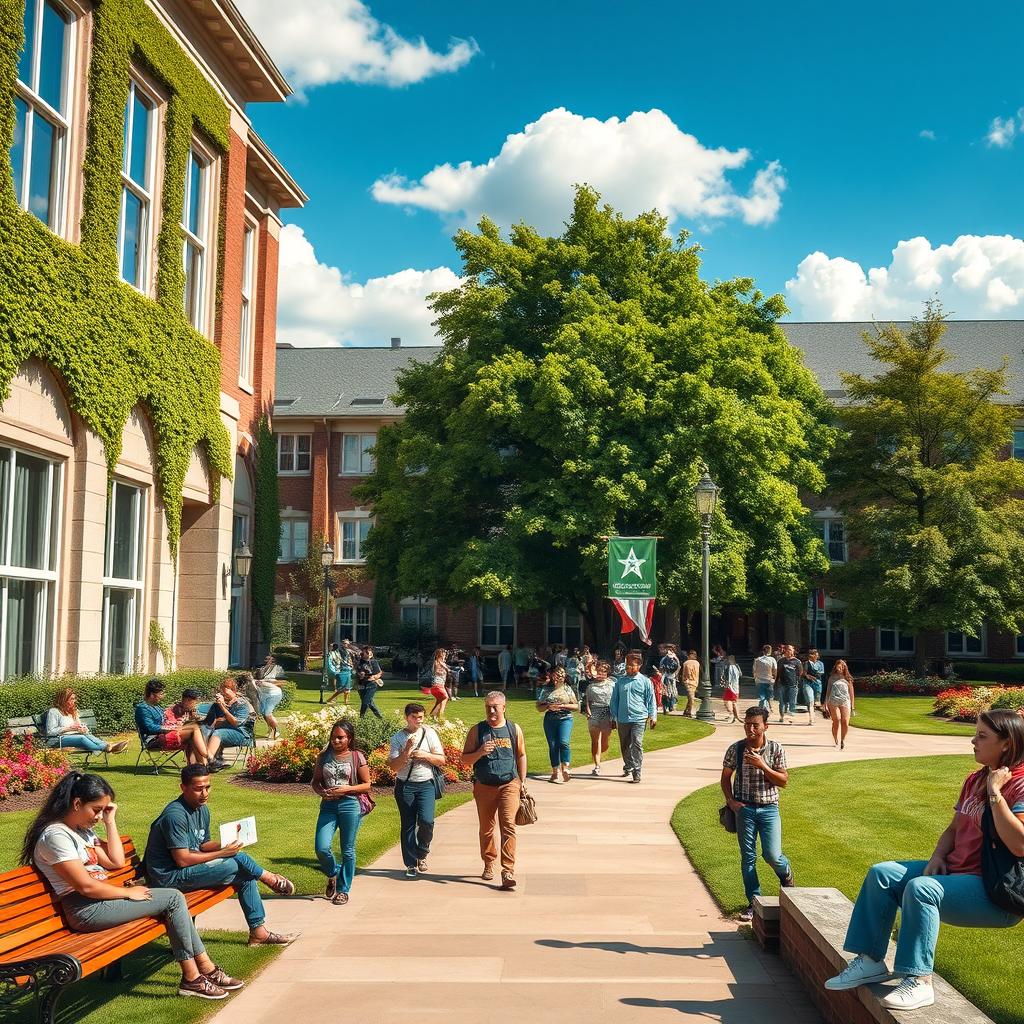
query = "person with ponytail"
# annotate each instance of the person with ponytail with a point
(63, 847)
(949, 885)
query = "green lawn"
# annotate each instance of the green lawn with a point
(840, 819)
(905, 714)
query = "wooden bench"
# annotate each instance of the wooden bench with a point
(35, 725)
(41, 956)
(812, 928)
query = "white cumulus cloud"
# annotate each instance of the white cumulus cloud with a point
(1001, 132)
(638, 163)
(975, 277)
(319, 305)
(316, 42)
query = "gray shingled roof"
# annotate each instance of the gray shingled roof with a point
(355, 381)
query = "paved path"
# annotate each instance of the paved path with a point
(609, 922)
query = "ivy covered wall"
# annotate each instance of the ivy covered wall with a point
(66, 305)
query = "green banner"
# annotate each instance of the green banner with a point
(632, 567)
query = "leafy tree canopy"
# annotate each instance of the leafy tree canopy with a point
(931, 503)
(584, 383)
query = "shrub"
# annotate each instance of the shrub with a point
(380, 771)
(25, 767)
(287, 761)
(1010, 699)
(965, 703)
(899, 682)
(112, 698)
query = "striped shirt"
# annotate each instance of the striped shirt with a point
(750, 784)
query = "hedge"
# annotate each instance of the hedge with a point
(112, 698)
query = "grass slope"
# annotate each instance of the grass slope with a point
(838, 820)
(905, 714)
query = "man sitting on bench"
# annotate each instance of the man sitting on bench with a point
(181, 854)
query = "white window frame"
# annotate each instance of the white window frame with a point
(825, 519)
(295, 453)
(419, 605)
(965, 639)
(135, 586)
(355, 520)
(247, 314)
(199, 154)
(815, 618)
(898, 633)
(364, 455)
(61, 119)
(563, 614)
(497, 643)
(288, 521)
(44, 645)
(143, 191)
(353, 611)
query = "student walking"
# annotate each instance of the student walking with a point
(790, 669)
(814, 677)
(370, 678)
(753, 772)
(439, 683)
(559, 704)
(264, 695)
(505, 668)
(597, 699)
(496, 751)
(949, 885)
(840, 702)
(61, 843)
(633, 709)
(476, 670)
(339, 776)
(339, 666)
(766, 668)
(731, 693)
(670, 666)
(691, 680)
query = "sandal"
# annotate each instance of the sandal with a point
(340, 899)
(283, 886)
(271, 939)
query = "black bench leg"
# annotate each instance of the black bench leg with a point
(48, 1006)
(45, 979)
(113, 972)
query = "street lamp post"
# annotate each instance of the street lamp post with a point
(326, 561)
(705, 495)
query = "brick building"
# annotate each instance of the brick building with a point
(331, 402)
(142, 367)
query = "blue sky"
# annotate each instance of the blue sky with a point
(871, 125)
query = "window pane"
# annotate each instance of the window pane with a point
(51, 58)
(302, 453)
(26, 620)
(348, 540)
(367, 441)
(1020, 643)
(300, 538)
(193, 284)
(5, 483)
(138, 156)
(350, 453)
(42, 165)
(1018, 444)
(364, 528)
(25, 60)
(131, 260)
(18, 149)
(195, 194)
(124, 558)
(120, 630)
(906, 641)
(28, 527)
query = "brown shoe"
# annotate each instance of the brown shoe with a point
(202, 988)
(271, 939)
(118, 748)
(508, 880)
(488, 873)
(283, 886)
(332, 887)
(224, 981)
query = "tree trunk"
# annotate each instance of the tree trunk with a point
(595, 614)
(920, 661)
(673, 634)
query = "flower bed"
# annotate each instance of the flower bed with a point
(898, 682)
(965, 703)
(25, 767)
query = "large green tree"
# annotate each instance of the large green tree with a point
(584, 383)
(931, 502)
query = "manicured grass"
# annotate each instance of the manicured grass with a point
(905, 714)
(838, 820)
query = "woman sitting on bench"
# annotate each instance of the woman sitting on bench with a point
(61, 843)
(949, 886)
(64, 729)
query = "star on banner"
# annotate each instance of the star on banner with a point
(631, 564)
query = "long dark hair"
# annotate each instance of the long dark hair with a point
(74, 786)
(1007, 725)
(348, 729)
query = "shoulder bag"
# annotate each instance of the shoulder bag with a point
(1001, 871)
(436, 772)
(726, 815)
(366, 801)
(526, 812)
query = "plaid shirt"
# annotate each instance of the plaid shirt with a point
(751, 785)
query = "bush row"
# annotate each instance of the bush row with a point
(112, 698)
(965, 703)
(26, 767)
(906, 683)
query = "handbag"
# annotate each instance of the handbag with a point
(1001, 871)
(527, 812)
(366, 802)
(726, 815)
(436, 772)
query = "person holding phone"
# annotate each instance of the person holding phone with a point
(558, 703)
(228, 722)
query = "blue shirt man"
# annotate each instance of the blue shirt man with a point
(632, 708)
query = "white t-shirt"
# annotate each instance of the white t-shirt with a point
(59, 844)
(416, 771)
(765, 668)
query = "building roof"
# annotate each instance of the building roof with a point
(281, 185)
(830, 349)
(333, 381)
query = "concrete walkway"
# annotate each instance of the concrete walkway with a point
(609, 923)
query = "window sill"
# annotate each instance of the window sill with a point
(294, 472)
(349, 473)
(246, 387)
(350, 561)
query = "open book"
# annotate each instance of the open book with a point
(242, 831)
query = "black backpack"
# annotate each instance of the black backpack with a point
(1001, 871)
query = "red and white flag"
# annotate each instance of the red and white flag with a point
(636, 613)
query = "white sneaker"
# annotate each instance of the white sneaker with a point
(910, 994)
(861, 970)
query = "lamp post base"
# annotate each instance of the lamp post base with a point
(705, 713)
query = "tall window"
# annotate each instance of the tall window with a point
(356, 455)
(423, 616)
(829, 631)
(353, 538)
(123, 569)
(497, 625)
(294, 538)
(1018, 444)
(833, 536)
(293, 453)
(963, 643)
(137, 175)
(893, 640)
(354, 623)
(42, 106)
(30, 491)
(247, 320)
(195, 219)
(564, 627)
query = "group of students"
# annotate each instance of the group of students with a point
(348, 664)
(444, 676)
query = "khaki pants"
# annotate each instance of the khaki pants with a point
(501, 803)
(690, 687)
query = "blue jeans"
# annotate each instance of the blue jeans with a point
(232, 737)
(241, 872)
(752, 821)
(765, 693)
(807, 692)
(959, 900)
(787, 699)
(416, 811)
(367, 698)
(78, 740)
(338, 816)
(558, 731)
